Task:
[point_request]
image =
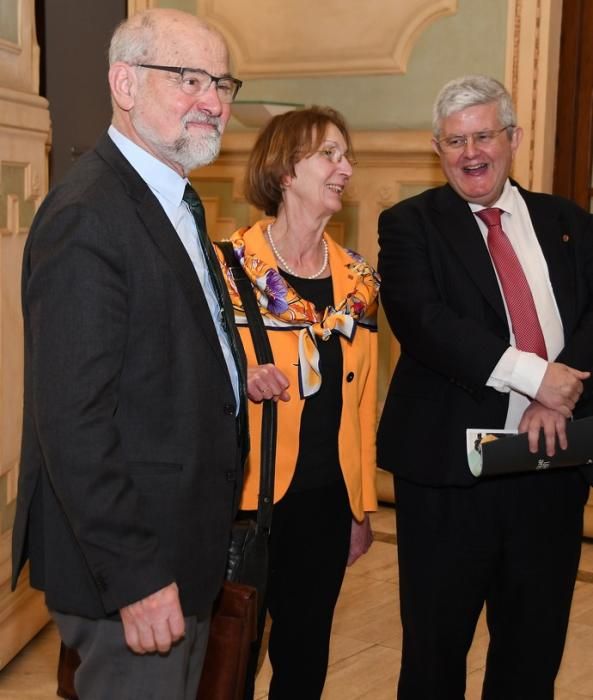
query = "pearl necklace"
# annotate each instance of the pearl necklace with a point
(287, 267)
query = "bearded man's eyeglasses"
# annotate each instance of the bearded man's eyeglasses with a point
(196, 82)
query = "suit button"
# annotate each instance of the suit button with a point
(229, 409)
(101, 582)
(350, 376)
(231, 475)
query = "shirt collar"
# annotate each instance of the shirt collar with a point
(161, 179)
(505, 202)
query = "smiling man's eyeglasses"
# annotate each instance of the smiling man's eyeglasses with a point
(479, 138)
(196, 82)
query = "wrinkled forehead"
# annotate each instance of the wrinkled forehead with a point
(192, 45)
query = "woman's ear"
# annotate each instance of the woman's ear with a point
(122, 82)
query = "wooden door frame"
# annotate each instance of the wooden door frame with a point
(574, 129)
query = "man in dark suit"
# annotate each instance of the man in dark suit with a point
(134, 420)
(489, 289)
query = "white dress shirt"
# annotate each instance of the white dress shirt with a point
(519, 372)
(168, 187)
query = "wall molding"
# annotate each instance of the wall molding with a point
(266, 43)
(19, 61)
(531, 76)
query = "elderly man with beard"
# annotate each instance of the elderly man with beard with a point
(134, 428)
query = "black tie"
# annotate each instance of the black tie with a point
(190, 196)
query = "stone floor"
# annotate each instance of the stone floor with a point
(366, 639)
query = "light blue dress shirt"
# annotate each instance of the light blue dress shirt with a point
(168, 187)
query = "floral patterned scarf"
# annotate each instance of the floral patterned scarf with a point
(282, 307)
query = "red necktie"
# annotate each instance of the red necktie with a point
(516, 290)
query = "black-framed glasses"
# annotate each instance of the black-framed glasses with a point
(478, 138)
(195, 81)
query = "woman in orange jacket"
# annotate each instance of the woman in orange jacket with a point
(318, 301)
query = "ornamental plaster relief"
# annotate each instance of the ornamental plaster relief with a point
(309, 38)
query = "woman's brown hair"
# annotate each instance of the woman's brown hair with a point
(286, 139)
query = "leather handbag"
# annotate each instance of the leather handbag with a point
(233, 629)
(238, 607)
(68, 662)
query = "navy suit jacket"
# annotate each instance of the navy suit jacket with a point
(132, 454)
(442, 299)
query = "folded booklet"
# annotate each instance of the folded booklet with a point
(493, 452)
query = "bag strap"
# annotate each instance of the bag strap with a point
(264, 355)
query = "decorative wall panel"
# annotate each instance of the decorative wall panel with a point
(19, 53)
(335, 37)
(533, 51)
(24, 134)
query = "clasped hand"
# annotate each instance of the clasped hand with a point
(561, 388)
(554, 402)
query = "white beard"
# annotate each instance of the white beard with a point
(187, 151)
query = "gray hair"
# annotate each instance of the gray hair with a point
(469, 91)
(134, 40)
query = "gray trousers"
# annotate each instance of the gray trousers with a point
(109, 670)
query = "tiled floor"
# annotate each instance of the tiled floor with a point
(366, 642)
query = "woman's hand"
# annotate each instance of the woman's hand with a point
(361, 539)
(267, 382)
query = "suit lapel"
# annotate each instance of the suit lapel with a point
(164, 236)
(457, 225)
(553, 237)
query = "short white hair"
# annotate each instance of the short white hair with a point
(470, 91)
(134, 40)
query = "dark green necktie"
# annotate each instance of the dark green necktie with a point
(190, 196)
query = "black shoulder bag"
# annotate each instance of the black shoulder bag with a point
(248, 551)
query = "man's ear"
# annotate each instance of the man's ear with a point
(516, 138)
(123, 82)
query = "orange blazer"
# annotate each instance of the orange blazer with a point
(356, 438)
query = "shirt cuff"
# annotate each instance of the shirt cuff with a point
(518, 371)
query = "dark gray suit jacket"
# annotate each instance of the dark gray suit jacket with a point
(442, 299)
(132, 455)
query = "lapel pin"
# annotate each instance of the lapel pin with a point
(565, 237)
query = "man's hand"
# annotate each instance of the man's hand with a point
(361, 539)
(154, 623)
(553, 423)
(561, 388)
(267, 382)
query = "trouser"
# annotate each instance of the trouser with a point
(309, 545)
(512, 543)
(109, 670)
